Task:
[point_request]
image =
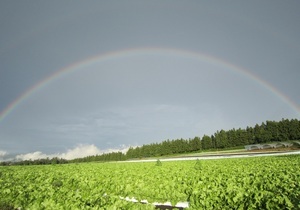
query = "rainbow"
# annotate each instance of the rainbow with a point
(77, 66)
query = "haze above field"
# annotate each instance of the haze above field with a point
(137, 72)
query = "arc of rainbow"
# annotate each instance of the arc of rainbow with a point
(137, 51)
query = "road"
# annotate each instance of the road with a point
(220, 156)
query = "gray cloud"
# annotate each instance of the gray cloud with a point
(138, 98)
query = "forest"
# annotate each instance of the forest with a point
(269, 131)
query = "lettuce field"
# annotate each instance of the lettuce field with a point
(247, 183)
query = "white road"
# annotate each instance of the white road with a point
(211, 157)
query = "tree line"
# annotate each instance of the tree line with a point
(269, 131)
(42, 161)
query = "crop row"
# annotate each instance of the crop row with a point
(248, 183)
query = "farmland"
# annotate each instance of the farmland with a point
(247, 183)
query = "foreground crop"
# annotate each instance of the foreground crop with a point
(250, 183)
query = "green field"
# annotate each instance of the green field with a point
(247, 183)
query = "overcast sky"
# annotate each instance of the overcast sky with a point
(138, 72)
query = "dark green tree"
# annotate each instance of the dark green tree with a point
(284, 127)
(206, 142)
(294, 129)
(195, 144)
(221, 139)
(272, 130)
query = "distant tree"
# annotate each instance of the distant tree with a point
(261, 135)
(195, 144)
(214, 143)
(233, 138)
(294, 129)
(206, 142)
(165, 148)
(283, 128)
(266, 135)
(221, 139)
(272, 130)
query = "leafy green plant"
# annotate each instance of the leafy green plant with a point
(5, 206)
(158, 163)
(198, 165)
(57, 183)
(246, 183)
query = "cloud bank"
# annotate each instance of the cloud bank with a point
(79, 151)
(2, 153)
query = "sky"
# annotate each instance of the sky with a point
(80, 78)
